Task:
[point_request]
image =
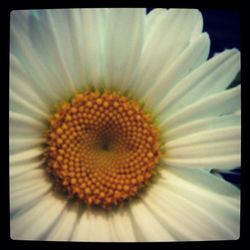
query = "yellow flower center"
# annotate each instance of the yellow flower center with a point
(103, 148)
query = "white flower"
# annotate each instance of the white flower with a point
(161, 59)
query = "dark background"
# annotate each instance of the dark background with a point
(223, 27)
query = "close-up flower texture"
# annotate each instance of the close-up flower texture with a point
(120, 125)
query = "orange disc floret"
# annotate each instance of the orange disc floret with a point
(102, 148)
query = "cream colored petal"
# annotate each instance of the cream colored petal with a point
(192, 57)
(147, 227)
(61, 50)
(210, 136)
(21, 47)
(25, 192)
(122, 226)
(35, 223)
(215, 148)
(65, 225)
(218, 162)
(195, 205)
(212, 77)
(90, 40)
(31, 178)
(165, 41)
(123, 45)
(33, 93)
(198, 26)
(26, 166)
(93, 227)
(202, 125)
(238, 112)
(205, 149)
(51, 47)
(222, 103)
(78, 35)
(18, 145)
(153, 18)
(20, 120)
(26, 155)
(25, 133)
(20, 105)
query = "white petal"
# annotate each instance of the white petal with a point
(194, 55)
(237, 112)
(198, 26)
(213, 76)
(123, 45)
(17, 145)
(93, 227)
(228, 161)
(31, 178)
(59, 50)
(20, 120)
(209, 136)
(153, 18)
(146, 226)
(166, 40)
(20, 18)
(122, 226)
(19, 105)
(216, 148)
(21, 47)
(19, 77)
(50, 46)
(195, 205)
(35, 223)
(78, 41)
(24, 195)
(202, 125)
(26, 155)
(90, 40)
(205, 150)
(222, 103)
(203, 183)
(25, 132)
(21, 168)
(165, 36)
(63, 229)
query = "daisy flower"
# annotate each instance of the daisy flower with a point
(116, 118)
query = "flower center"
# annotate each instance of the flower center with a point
(103, 148)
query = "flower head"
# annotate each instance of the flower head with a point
(115, 119)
